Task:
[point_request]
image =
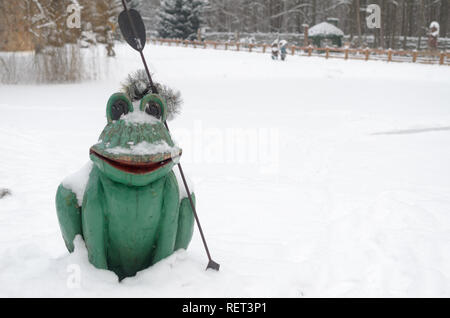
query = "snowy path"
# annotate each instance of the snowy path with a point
(313, 178)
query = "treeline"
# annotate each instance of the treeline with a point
(28, 24)
(403, 17)
(399, 17)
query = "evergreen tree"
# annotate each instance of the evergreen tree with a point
(133, 4)
(196, 15)
(180, 19)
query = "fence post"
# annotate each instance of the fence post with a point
(293, 50)
(389, 55)
(367, 52)
(250, 47)
(441, 60)
(346, 53)
(238, 46)
(204, 44)
(215, 45)
(309, 51)
(264, 48)
(414, 56)
(226, 46)
(327, 53)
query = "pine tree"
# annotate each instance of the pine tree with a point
(180, 19)
(195, 17)
(134, 4)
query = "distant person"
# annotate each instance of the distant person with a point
(283, 49)
(275, 50)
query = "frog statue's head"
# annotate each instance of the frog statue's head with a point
(135, 148)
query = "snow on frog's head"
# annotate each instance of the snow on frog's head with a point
(135, 148)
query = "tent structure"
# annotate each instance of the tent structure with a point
(325, 32)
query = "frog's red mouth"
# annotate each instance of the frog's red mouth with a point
(132, 167)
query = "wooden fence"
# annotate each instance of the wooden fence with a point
(441, 58)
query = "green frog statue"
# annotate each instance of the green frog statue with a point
(127, 203)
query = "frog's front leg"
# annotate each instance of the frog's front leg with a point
(177, 222)
(93, 222)
(167, 230)
(69, 215)
(185, 224)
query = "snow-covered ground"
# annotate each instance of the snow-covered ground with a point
(313, 177)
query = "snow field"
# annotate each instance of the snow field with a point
(338, 183)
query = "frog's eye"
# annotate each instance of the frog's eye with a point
(154, 106)
(118, 105)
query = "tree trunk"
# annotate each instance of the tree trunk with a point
(358, 21)
(314, 12)
(443, 19)
(393, 27)
(383, 6)
(421, 22)
(404, 22)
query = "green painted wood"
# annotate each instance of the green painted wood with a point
(69, 215)
(185, 224)
(129, 220)
(114, 98)
(158, 100)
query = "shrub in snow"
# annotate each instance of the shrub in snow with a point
(434, 28)
(65, 64)
(433, 35)
(4, 193)
(59, 64)
(137, 85)
(10, 68)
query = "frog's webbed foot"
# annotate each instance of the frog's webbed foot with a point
(69, 216)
